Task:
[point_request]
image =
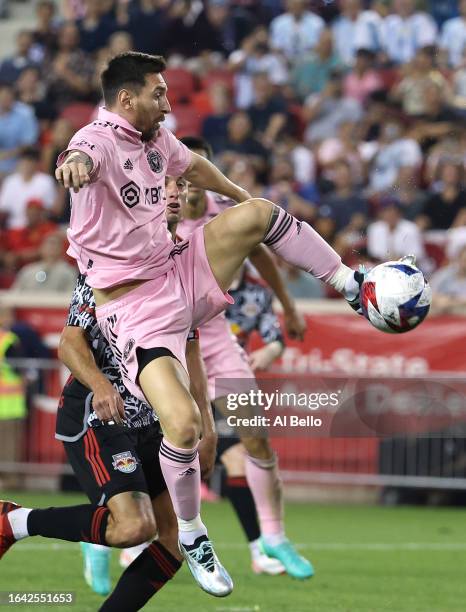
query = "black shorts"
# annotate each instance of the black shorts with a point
(112, 459)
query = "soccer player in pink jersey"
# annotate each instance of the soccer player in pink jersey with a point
(226, 363)
(149, 293)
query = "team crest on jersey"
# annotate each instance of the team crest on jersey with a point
(128, 348)
(155, 161)
(124, 462)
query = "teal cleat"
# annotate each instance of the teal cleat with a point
(295, 565)
(97, 567)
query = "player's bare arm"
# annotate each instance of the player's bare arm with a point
(264, 261)
(75, 171)
(198, 388)
(205, 175)
(75, 353)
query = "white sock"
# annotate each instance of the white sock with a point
(19, 522)
(189, 531)
(343, 281)
(274, 539)
(255, 549)
(137, 550)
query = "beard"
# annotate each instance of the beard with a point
(149, 134)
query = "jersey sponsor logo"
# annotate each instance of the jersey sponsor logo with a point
(155, 161)
(152, 195)
(130, 194)
(128, 165)
(83, 143)
(124, 462)
(128, 348)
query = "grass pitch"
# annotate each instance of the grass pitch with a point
(366, 559)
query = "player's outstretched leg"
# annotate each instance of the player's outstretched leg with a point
(166, 386)
(232, 235)
(97, 567)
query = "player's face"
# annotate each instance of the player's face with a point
(150, 106)
(175, 192)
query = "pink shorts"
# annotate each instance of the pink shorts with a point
(160, 312)
(227, 364)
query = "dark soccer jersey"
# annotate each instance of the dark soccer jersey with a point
(82, 314)
(252, 311)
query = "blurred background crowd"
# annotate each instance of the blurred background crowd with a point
(351, 114)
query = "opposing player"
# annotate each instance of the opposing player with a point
(227, 364)
(149, 294)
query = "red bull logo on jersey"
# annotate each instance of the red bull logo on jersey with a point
(124, 462)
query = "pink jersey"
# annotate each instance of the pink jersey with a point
(215, 204)
(118, 230)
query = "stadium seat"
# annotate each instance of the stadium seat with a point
(218, 76)
(188, 120)
(78, 114)
(181, 84)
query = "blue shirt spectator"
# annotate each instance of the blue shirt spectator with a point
(11, 67)
(297, 31)
(18, 128)
(407, 31)
(453, 36)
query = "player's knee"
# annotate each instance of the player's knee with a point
(185, 433)
(136, 531)
(258, 448)
(260, 211)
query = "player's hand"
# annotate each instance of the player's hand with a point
(207, 452)
(263, 357)
(108, 403)
(295, 324)
(75, 171)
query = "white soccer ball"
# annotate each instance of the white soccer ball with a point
(395, 296)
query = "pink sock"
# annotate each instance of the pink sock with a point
(300, 245)
(181, 470)
(266, 488)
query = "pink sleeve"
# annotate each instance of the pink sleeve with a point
(179, 156)
(87, 143)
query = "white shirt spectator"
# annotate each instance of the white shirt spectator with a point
(16, 193)
(453, 39)
(401, 153)
(403, 37)
(294, 38)
(363, 33)
(386, 244)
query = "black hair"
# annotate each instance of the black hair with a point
(365, 53)
(31, 153)
(129, 70)
(196, 142)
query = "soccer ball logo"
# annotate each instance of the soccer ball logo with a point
(395, 297)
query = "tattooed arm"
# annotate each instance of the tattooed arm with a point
(75, 171)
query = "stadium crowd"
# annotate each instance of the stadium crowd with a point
(350, 114)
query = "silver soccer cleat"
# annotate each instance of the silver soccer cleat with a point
(205, 567)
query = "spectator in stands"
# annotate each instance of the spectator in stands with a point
(326, 111)
(392, 236)
(18, 128)
(363, 78)
(45, 33)
(255, 57)
(421, 75)
(446, 208)
(453, 36)
(297, 31)
(31, 89)
(146, 25)
(11, 67)
(26, 184)
(407, 30)
(449, 283)
(344, 30)
(458, 101)
(23, 244)
(241, 143)
(394, 150)
(311, 74)
(284, 190)
(407, 194)
(345, 199)
(71, 70)
(51, 273)
(96, 27)
(214, 127)
(268, 113)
